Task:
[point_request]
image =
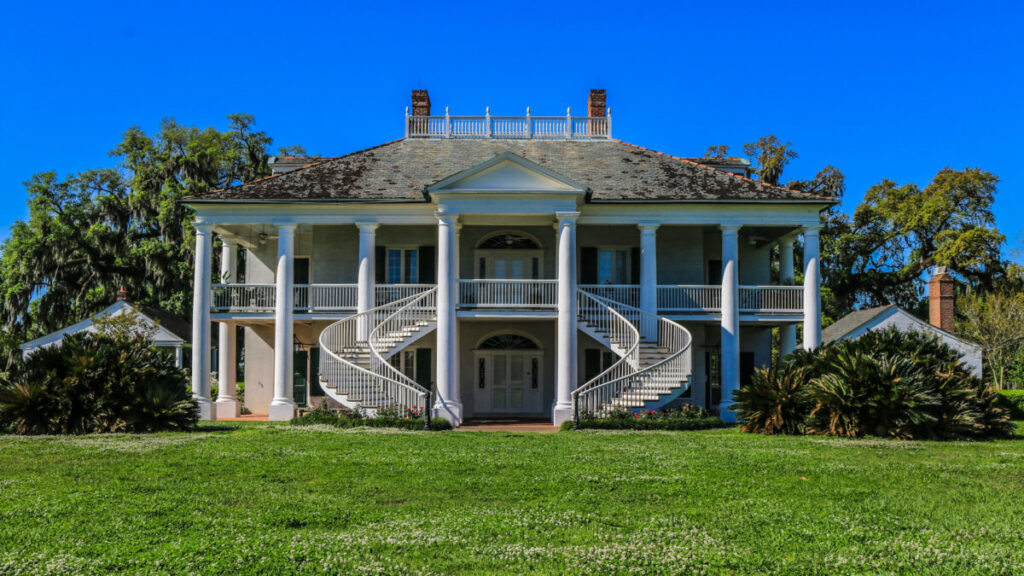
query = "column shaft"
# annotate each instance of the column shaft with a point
(447, 402)
(567, 353)
(787, 332)
(649, 277)
(730, 320)
(201, 321)
(227, 405)
(365, 296)
(283, 406)
(812, 291)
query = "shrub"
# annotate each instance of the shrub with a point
(101, 382)
(386, 418)
(1013, 402)
(885, 383)
(686, 417)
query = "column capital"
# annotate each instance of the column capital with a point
(812, 230)
(288, 228)
(447, 218)
(202, 227)
(788, 239)
(730, 228)
(567, 217)
(367, 227)
(228, 240)
(648, 226)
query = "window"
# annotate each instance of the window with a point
(612, 266)
(405, 362)
(596, 361)
(402, 266)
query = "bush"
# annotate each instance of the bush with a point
(1013, 402)
(411, 419)
(686, 417)
(886, 383)
(97, 383)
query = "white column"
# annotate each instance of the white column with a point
(730, 320)
(812, 290)
(787, 332)
(201, 321)
(649, 276)
(365, 295)
(283, 407)
(227, 405)
(447, 403)
(567, 362)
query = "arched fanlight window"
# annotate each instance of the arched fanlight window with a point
(508, 241)
(508, 342)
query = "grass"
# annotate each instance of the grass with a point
(268, 499)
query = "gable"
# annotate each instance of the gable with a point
(506, 173)
(162, 336)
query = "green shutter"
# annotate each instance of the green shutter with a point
(424, 371)
(428, 265)
(588, 265)
(591, 363)
(380, 264)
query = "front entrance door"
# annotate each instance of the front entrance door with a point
(508, 382)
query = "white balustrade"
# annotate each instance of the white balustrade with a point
(262, 297)
(628, 294)
(753, 299)
(387, 293)
(510, 127)
(508, 293)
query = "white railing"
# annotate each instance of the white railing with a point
(510, 127)
(244, 297)
(375, 383)
(386, 293)
(623, 293)
(753, 299)
(508, 293)
(263, 297)
(629, 384)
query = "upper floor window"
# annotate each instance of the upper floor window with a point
(402, 266)
(612, 266)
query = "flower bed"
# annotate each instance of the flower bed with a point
(686, 417)
(407, 419)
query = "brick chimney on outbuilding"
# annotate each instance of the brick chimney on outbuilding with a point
(940, 299)
(596, 103)
(122, 294)
(420, 103)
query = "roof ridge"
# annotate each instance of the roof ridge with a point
(733, 174)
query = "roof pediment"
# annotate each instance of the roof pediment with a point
(506, 173)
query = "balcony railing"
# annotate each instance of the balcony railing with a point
(263, 297)
(753, 299)
(510, 127)
(510, 294)
(532, 294)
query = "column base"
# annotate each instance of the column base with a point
(227, 408)
(281, 411)
(726, 414)
(206, 412)
(560, 414)
(450, 410)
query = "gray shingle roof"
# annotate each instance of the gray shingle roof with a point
(851, 322)
(614, 171)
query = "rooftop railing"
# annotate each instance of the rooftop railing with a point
(527, 127)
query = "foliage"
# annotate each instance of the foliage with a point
(391, 417)
(115, 382)
(776, 400)
(324, 500)
(91, 233)
(886, 383)
(769, 157)
(686, 417)
(1013, 402)
(995, 321)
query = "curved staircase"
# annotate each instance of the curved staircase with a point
(654, 364)
(354, 367)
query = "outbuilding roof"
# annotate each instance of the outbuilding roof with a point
(612, 171)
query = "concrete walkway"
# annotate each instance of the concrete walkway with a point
(507, 425)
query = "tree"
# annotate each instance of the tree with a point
(769, 157)
(91, 233)
(717, 152)
(898, 232)
(995, 321)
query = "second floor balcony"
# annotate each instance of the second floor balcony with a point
(509, 295)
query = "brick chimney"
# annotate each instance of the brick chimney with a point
(122, 294)
(596, 104)
(940, 299)
(420, 103)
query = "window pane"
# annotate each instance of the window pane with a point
(620, 266)
(604, 267)
(394, 266)
(411, 267)
(410, 364)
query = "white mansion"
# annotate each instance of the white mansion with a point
(491, 265)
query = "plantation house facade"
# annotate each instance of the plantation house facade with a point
(499, 266)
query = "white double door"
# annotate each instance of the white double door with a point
(508, 381)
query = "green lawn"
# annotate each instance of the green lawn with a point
(265, 499)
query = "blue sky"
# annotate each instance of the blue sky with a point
(887, 90)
